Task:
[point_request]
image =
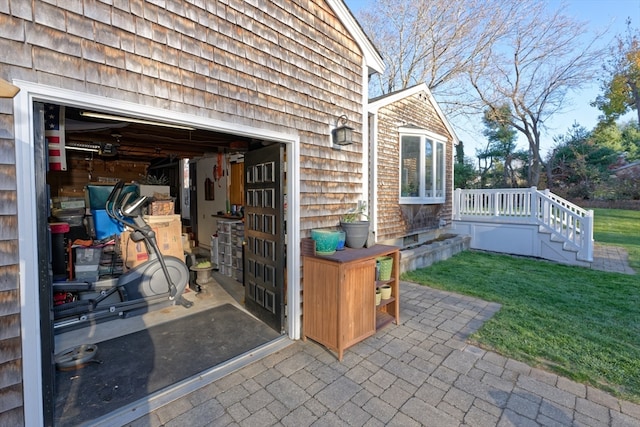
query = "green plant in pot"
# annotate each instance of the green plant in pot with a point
(355, 227)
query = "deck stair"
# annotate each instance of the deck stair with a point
(525, 221)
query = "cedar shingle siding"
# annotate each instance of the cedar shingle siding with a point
(396, 221)
(268, 64)
(10, 339)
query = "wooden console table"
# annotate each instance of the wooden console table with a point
(339, 292)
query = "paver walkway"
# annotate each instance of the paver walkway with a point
(611, 258)
(418, 373)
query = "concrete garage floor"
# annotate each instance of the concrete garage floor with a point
(146, 354)
(213, 294)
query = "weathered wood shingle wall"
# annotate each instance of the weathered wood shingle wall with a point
(278, 65)
(285, 65)
(10, 340)
(396, 221)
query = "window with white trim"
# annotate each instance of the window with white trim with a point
(422, 168)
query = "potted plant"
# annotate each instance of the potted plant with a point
(355, 228)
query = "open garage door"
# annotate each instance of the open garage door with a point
(265, 254)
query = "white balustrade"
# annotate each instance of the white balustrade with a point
(562, 219)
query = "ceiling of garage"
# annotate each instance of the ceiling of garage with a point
(135, 141)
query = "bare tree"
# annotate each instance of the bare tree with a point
(479, 54)
(543, 57)
(435, 42)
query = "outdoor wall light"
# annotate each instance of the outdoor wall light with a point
(342, 134)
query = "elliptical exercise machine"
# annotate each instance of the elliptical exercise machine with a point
(159, 279)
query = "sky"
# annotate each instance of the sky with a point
(598, 15)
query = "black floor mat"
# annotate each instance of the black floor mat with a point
(136, 365)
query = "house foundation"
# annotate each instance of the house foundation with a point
(432, 252)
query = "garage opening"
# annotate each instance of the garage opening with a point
(129, 318)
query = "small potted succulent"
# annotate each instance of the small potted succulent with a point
(355, 228)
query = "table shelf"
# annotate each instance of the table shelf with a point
(339, 307)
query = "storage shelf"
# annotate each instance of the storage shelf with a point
(339, 296)
(385, 302)
(230, 236)
(383, 319)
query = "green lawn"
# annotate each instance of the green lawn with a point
(581, 323)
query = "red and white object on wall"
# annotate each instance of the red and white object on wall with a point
(54, 136)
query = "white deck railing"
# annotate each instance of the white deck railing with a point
(564, 220)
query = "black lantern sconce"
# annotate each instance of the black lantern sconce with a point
(342, 134)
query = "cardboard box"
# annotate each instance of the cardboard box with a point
(168, 235)
(186, 243)
(161, 207)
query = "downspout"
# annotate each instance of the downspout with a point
(366, 157)
(452, 188)
(372, 121)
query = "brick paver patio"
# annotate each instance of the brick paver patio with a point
(421, 372)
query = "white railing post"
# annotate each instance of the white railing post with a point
(457, 203)
(533, 199)
(548, 211)
(545, 208)
(587, 235)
